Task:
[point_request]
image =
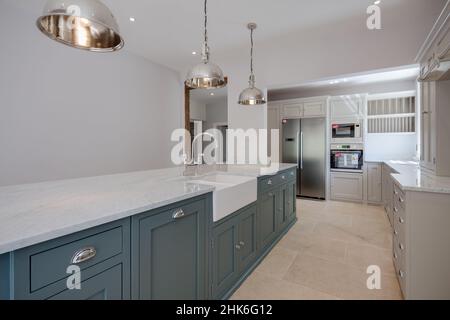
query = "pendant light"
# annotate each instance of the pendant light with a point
(251, 96)
(82, 24)
(205, 75)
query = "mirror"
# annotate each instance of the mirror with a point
(206, 110)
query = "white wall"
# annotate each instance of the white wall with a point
(67, 113)
(390, 146)
(216, 113)
(197, 110)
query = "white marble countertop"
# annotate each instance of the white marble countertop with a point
(410, 177)
(34, 213)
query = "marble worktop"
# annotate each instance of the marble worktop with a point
(34, 213)
(411, 177)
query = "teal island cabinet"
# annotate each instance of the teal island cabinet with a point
(172, 252)
(241, 241)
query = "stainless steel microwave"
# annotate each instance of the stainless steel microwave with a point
(347, 131)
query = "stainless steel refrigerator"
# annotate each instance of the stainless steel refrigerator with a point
(304, 143)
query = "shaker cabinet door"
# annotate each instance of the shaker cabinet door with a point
(225, 260)
(267, 217)
(170, 253)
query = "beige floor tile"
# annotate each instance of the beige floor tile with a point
(363, 256)
(303, 226)
(277, 262)
(261, 286)
(326, 255)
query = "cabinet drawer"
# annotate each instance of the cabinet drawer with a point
(290, 174)
(399, 258)
(107, 285)
(51, 265)
(269, 183)
(399, 197)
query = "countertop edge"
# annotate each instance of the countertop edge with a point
(57, 233)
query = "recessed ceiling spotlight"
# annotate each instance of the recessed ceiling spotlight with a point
(132, 19)
(377, 2)
(194, 53)
(212, 93)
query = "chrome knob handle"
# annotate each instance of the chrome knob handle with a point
(395, 210)
(401, 220)
(292, 173)
(269, 182)
(395, 232)
(395, 192)
(242, 243)
(395, 256)
(401, 274)
(401, 199)
(178, 214)
(238, 247)
(84, 255)
(283, 177)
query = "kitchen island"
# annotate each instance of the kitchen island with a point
(142, 235)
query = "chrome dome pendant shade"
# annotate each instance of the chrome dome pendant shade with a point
(205, 75)
(251, 96)
(82, 24)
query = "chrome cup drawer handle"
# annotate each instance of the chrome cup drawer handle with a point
(178, 214)
(401, 199)
(395, 256)
(242, 243)
(238, 247)
(395, 232)
(401, 246)
(401, 220)
(84, 255)
(395, 210)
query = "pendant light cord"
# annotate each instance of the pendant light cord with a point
(251, 52)
(205, 50)
(206, 21)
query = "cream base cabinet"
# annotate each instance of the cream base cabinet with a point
(387, 191)
(420, 243)
(374, 183)
(347, 186)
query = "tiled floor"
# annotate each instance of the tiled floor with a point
(326, 255)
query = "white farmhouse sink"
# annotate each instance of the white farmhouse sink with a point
(231, 193)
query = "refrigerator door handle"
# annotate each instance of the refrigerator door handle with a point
(298, 152)
(301, 151)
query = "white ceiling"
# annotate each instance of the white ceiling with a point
(167, 31)
(349, 82)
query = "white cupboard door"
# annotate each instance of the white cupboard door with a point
(427, 123)
(374, 179)
(346, 107)
(346, 186)
(314, 109)
(293, 110)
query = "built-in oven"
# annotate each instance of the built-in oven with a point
(346, 132)
(347, 158)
